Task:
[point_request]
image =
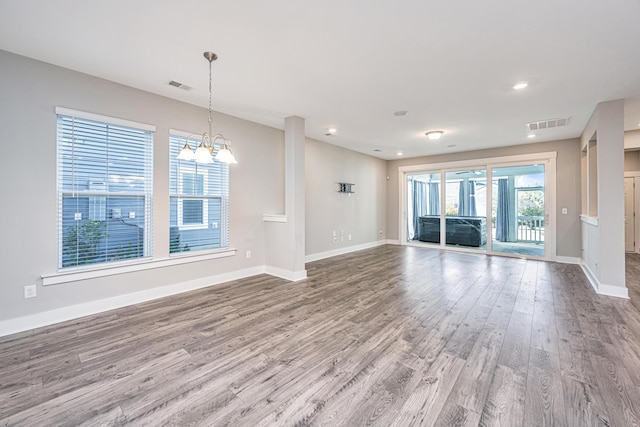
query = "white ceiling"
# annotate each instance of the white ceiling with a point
(352, 64)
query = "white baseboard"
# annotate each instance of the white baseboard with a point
(344, 250)
(25, 323)
(293, 276)
(392, 242)
(604, 289)
(590, 276)
(613, 291)
(20, 324)
(568, 260)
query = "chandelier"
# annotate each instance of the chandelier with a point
(204, 152)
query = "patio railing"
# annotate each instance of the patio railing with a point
(531, 229)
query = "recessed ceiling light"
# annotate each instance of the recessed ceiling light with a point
(332, 130)
(401, 113)
(531, 135)
(399, 153)
(520, 85)
(434, 134)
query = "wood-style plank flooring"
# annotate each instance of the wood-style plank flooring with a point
(391, 336)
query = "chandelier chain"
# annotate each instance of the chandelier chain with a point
(210, 117)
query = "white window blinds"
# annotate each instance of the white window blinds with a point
(199, 201)
(104, 189)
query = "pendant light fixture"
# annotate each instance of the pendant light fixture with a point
(205, 150)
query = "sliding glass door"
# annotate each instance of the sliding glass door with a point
(518, 210)
(423, 207)
(504, 206)
(466, 201)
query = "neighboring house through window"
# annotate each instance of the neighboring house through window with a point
(199, 200)
(193, 213)
(104, 191)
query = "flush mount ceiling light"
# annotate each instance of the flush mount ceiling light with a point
(399, 153)
(434, 134)
(531, 135)
(520, 85)
(206, 148)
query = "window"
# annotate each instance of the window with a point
(192, 213)
(104, 189)
(199, 200)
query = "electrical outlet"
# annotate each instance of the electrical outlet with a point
(248, 254)
(30, 291)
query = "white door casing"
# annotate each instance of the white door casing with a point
(629, 215)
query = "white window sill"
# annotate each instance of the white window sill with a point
(138, 265)
(589, 219)
(274, 218)
(193, 227)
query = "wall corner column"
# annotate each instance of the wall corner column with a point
(285, 252)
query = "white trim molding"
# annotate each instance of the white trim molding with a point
(344, 250)
(591, 220)
(46, 318)
(274, 218)
(604, 289)
(292, 276)
(493, 161)
(568, 260)
(613, 291)
(100, 118)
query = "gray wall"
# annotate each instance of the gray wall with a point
(30, 92)
(567, 186)
(361, 215)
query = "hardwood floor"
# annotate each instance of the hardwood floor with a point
(392, 336)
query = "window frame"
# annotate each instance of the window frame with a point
(222, 196)
(205, 205)
(146, 195)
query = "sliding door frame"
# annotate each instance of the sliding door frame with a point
(546, 158)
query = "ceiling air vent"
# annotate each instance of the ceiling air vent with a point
(548, 124)
(179, 85)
